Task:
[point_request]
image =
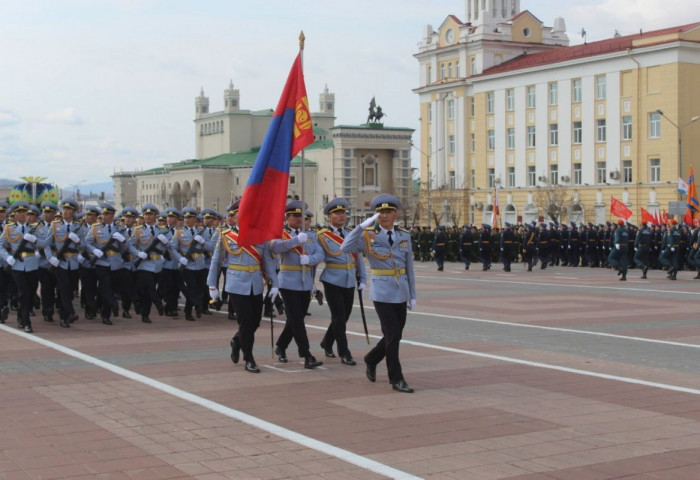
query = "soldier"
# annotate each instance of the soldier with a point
(618, 257)
(299, 252)
(591, 248)
(440, 247)
(642, 244)
(466, 242)
(5, 276)
(388, 249)
(152, 241)
(554, 236)
(107, 243)
(543, 246)
(210, 217)
(694, 254)
(63, 253)
(342, 273)
(573, 246)
(18, 248)
(670, 247)
(245, 283)
(87, 272)
(128, 292)
(170, 283)
(485, 246)
(530, 247)
(507, 238)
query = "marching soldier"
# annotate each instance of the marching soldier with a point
(440, 247)
(506, 245)
(670, 247)
(466, 242)
(530, 247)
(642, 243)
(209, 218)
(246, 269)
(543, 246)
(299, 253)
(618, 257)
(573, 246)
(149, 240)
(5, 276)
(388, 249)
(88, 274)
(128, 292)
(343, 272)
(485, 246)
(170, 279)
(18, 248)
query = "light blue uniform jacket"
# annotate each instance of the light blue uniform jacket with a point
(341, 268)
(293, 275)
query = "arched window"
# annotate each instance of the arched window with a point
(449, 70)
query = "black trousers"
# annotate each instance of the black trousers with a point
(67, 283)
(88, 290)
(192, 289)
(392, 317)
(340, 303)
(47, 283)
(148, 293)
(5, 284)
(26, 283)
(296, 303)
(107, 279)
(641, 257)
(249, 311)
(128, 289)
(169, 289)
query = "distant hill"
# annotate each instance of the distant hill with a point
(7, 182)
(87, 188)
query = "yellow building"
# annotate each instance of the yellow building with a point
(506, 104)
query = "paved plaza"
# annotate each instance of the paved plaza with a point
(564, 373)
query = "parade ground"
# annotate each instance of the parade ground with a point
(564, 373)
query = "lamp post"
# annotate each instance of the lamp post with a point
(680, 141)
(427, 156)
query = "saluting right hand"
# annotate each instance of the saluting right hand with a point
(370, 220)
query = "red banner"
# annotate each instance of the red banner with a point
(619, 209)
(647, 217)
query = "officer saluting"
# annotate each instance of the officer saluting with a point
(342, 273)
(393, 283)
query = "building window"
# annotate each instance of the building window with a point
(600, 88)
(369, 178)
(553, 94)
(554, 174)
(600, 172)
(489, 102)
(654, 125)
(600, 130)
(627, 127)
(531, 136)
(578, 174)
(510, 100)
(655, 170)
(451, 109)
(531, 98)
(442, 71)
(578, 133)
(449, 70)
(458, 73)
(453, 180)
(451, 144)
(511, 138)
(492, 177)
(511, 176)
(531, 178)
(554, 134)
(292, 179)
(472, 143)
(430, 74)
(627, 171)
(430, 112)
(473, 178)
(491, 140)
(576, 90)
(472, 65)
(471, 106)
(430, 145)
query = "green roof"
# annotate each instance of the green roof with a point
(374, 126)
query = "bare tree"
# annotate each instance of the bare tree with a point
(550, 200)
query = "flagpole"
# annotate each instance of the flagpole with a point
(302, 38)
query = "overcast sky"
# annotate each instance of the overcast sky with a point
(89, 87)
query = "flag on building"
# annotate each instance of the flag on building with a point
(261, 212)
(692, 204)
(619, 209)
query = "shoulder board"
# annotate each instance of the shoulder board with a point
(58, 220)
(323, 230)
(224, 230)
(401, 229)
(34, 224)
(369, 229)
(10, 224)
(138, 226)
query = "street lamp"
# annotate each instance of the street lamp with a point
(427, 156)
(680, 141)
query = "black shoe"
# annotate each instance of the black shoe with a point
(106, 321)
(402, 386)
(4, 313)
(251, 367)
(267, 314)
(198, 312)
(189, 317)
(328, 351)
(137, 308)
(371, 372)
(160, 308)
(319, 297)
(281, 354)
(64, 323)
(28, 329)
(673, 276)
(280, 308)
(145, 320)
(644, 276)
(115, 310)
(126, 314)
(235, 351)
(232, 315)
(348, 360)
(440, 269)
(623, 278)
(311, 362)
(696, 277)
(48, 318)
(467, 267)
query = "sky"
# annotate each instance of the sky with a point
(93, 87)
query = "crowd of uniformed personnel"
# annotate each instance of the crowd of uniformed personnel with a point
(117, 263)
(619, 245)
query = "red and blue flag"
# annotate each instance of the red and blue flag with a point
(261, 211)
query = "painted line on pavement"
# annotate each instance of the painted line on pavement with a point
(319, 446)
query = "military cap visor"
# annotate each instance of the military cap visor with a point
(67, 205)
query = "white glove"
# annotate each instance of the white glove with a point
(73, 237)
(29, 237)
(303, 259)
(80, 258)
(501, 248)
(273, 292)
(635, 249)
(11, 261)
(673, 249)
(370, 220)
(412, 304)
(617, 246)
(214, 293)
(163, 239)
(569, 247)
(97, 252)
(142, 255)
(54, 261)
(118, 237)
(37, 254)
(199, 239)
(302, 237)
(183, 261)
(361, 286)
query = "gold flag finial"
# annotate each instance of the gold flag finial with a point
(301, 40)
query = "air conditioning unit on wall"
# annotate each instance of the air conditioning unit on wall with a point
(478, 205)
(615, 175)
(542, 178)
(565, 179)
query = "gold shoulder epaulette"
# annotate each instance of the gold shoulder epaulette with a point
(58, 220)
(225, 230)
(323, 230)
(139, 226)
